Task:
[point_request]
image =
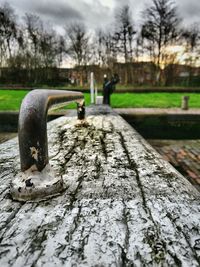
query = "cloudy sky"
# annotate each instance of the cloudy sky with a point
(94, 13)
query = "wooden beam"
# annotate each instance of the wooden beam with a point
(123, 204)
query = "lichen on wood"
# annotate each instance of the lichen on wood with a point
(123, 204)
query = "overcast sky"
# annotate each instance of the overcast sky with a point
(94, 13)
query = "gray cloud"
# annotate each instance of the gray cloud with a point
(63, 11)
(95, 13)
(58, 11)
(189, 10)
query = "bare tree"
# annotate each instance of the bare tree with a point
(61, 49)
(106, 48)
(160, 28)
(51, 48)
(78, 42)
(124, 33)
(42, 47)
(29, 49)
(191, 36)
(34, 27)
(100, 47)
(192, 40)
(8, 32)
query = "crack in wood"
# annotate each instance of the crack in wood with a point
(8, 222)
(187, 239)
(125, 260)
(157, 245)
(177, 261)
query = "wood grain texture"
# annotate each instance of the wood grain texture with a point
(123, 205)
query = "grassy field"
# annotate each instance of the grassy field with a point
(11, 100)
(153, 100)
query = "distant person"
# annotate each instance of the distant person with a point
(109, 87)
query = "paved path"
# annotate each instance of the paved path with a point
(157, 111)
(184, 155)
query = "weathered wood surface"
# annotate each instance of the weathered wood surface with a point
(123, 206)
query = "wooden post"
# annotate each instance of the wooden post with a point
(92, 87)
(185, 102)
(96, 92)
(123, 205)
(99, 100)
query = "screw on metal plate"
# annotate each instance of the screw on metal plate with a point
(37, 179)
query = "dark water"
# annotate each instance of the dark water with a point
(166, 126)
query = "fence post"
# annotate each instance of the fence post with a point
(185, 102)
(92, 87)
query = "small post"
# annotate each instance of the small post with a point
(96, 92)
(185, 103)
(92, 88)
(99, 100)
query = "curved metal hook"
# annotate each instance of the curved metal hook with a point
(32, 127)
(33, 144)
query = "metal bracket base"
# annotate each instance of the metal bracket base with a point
(32, 184)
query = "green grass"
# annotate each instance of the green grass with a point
(153, 100)
(11, 100)
(147, 86)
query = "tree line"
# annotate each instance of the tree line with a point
(33, 46)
